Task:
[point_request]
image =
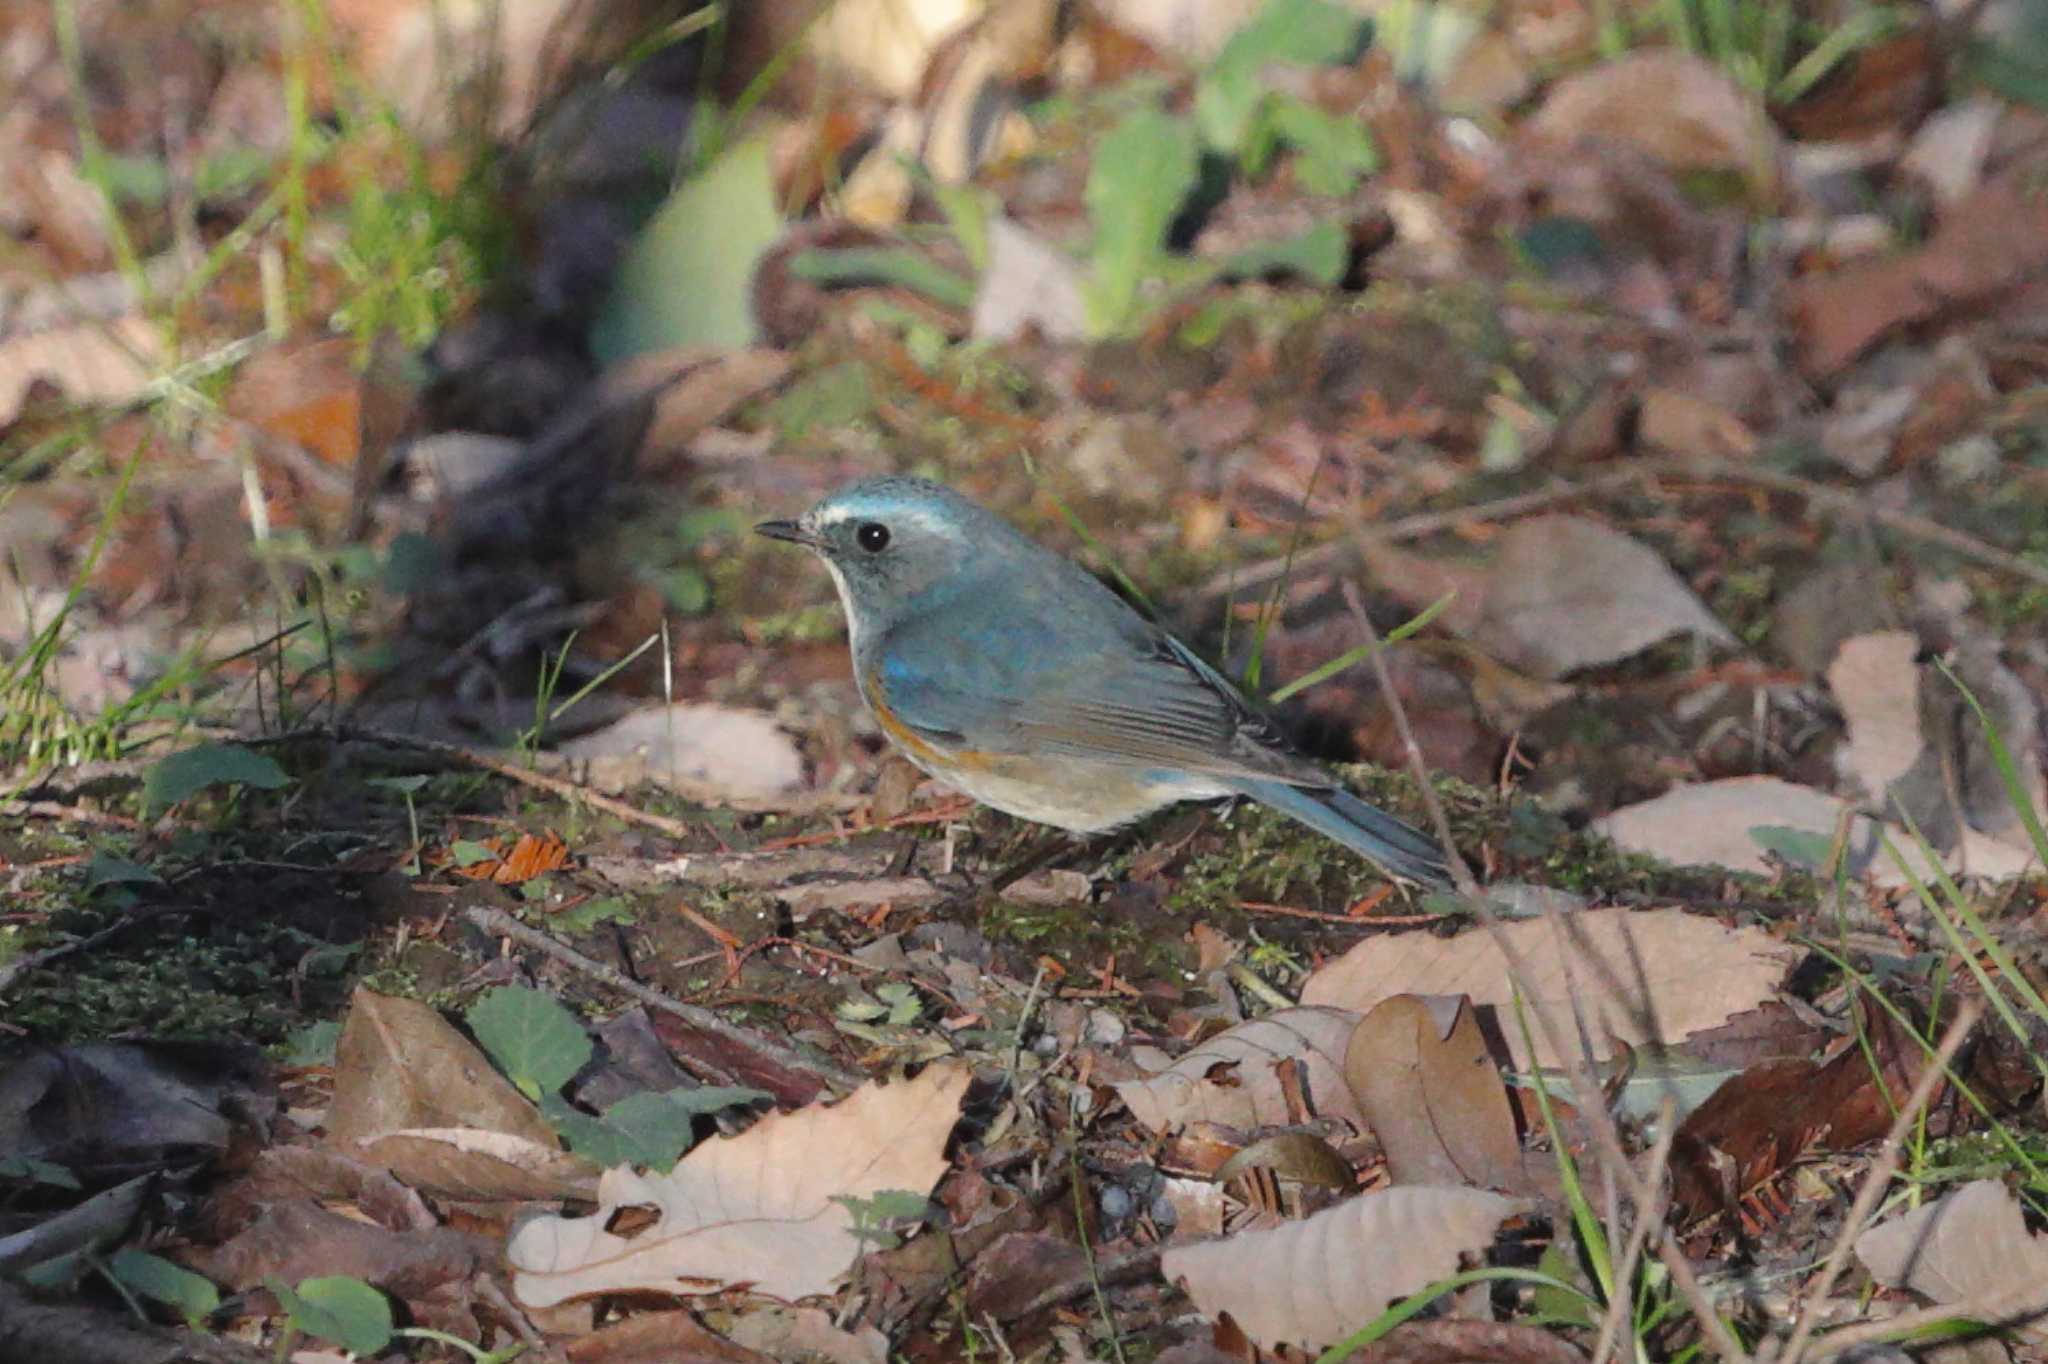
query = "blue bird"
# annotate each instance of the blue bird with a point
(1007, 671)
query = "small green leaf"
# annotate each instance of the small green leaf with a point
(229, 171)
(872, 1216)
(586, 1134)
(1318, 256)
(643, 1129)
(467, 853)
(105, 869)
(1800, 847)
(1141, 175)
(535, 1041)
(338, 1309)
(968, 209)
(904, 1004)
(687, 591)
(832, 397)
(34, 1171)
(154, 1277)
(185, 774)
(1300, 32)
(1331, 154)
(609, 909)
(657, 1128)
(312, 1045)
(899, 265)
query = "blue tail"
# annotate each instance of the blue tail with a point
(1396, 848)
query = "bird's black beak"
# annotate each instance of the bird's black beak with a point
(787, 530)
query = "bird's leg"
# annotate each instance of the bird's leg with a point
(1051, 847)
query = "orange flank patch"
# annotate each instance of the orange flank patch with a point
(915, 745)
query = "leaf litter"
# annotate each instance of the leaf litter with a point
(1461, 306)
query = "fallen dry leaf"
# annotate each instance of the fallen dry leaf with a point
(471, 1165)
(1192, 30)
(1234, 1078)
(1434, 1096)
(807, 1333)
(1986, 245)
(693, 387)
(762, 1208)
(531, 855)
(421, 56)
(698, 748)
(1876, 683)
(1313, 1282)
(1972, 1247)
(1560, 593)
(1687, 424)
(88, 364)
(885, 44)
(308, 393)
(1779, 1112)
(1029, 284)
(1647, 978)
(675, 1337)
(1685, 111)
(1710, 824)
(401, 1067)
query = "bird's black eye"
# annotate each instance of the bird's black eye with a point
(872, 536)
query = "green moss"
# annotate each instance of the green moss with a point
(160, 981)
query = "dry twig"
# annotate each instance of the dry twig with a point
(498, 922)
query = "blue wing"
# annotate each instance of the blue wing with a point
(1019, 685)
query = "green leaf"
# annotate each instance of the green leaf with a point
(968, 209)
(1800, 847)
(1318, 256)
(898, 265)
(312, 1045)
(338, 1309)
(105, 869)
(657, 1128)
(686, 590)
(230, 171)
(688, 278)
(586, 1134)
(154, 1277)
(33, 1171)
(903, 1001)
(643, 1129)
(1301, 32)
(609, 909)
(467, 852)
(535, 1041)
(826, 398)
(185, 774)
(1141, 175)
(1331, 154)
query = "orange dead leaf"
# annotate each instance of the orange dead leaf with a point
(531, 855)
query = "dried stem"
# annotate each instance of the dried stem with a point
(497, 921)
